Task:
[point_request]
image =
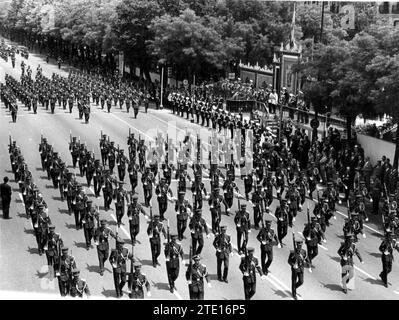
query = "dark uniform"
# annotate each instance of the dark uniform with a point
(386, 248)
(248, 266)
(118, 260)
(101, 240)
(133, 214)
(222, 244)
(243, 226)
(195, 275)
(136, 283)
(173, 251)
(346, 252)
(89, 220)
(154, 230)
(64, 268)
(267, 239)
(197, 226)
(296, 260)
(78, 286)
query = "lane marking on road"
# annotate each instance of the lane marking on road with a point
(365, 273)
(396, 292)
(134, 128)
(123, 229)
(321, 246)
(22, 199)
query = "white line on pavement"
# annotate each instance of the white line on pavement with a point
(132, 126)
(365, 273)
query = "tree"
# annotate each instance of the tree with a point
(188, 42)
(132, 28)
(386, 93)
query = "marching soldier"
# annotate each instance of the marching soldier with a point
(78, 286)
(133, 214)
(74, 148)
(107, 190)
(184, 210)
(197, 226)
(248, 183)
(132, 169)
(173, 251)
(162, 191)
(137, 281)
(313, 235)
(104, 149)
(222, 244)
(266, 237)
(346, 252)
(121, 163)
(248, 266)
(215, 202)
(120, 196)
(195, 275)
(154, 230)
(386, 249)
(53, 246)
(257, 201)
(243, 226)
(229, 187)
(101, 241)
(79, 207)
(111, 157)
(198, 190)
(97, 177)
(90, 220)
(118, 260)
(64, 268)
(296, 260)
(148, 180)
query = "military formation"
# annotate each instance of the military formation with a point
(284, 172)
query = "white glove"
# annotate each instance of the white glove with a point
(324, 240)
(364, 236)
(57, 274)
(362, 262)
(228, 210)
(192, 231)
(167, 259)
(113, 265)
(96, 243)
(279, 246)
(189, 282)
(335, 218)
(263, 242)
(249, 231)
(218, 250)
(149, 294)
(209, 285)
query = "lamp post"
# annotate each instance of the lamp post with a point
(162, 64)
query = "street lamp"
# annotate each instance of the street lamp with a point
(162, 64)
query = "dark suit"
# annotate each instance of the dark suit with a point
(5, 194)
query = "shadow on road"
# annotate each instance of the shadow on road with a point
(280, 293)
(336, 259)
(373, 281)
(374, 254)
(109, 293)
(332, 286)
(80, 244)
(63, 211)
(33, 250)
(29, 231)
(70, 225)
(56, 198)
